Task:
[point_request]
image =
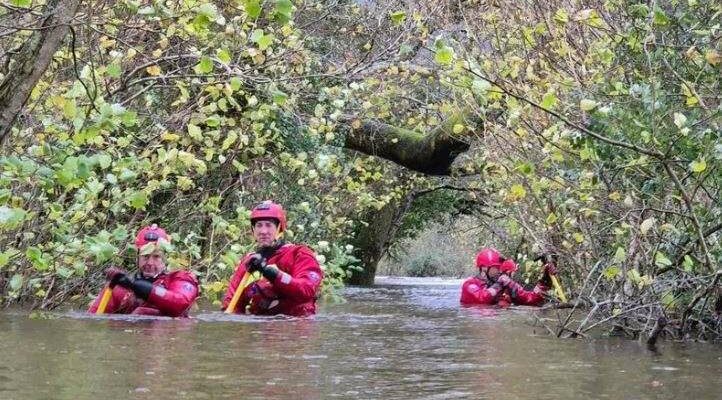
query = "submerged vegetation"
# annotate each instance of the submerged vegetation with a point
(591, 131)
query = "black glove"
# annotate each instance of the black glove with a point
(258, 263)
(141, 287)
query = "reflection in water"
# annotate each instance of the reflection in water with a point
(404, 339)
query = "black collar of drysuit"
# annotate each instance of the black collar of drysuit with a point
(268, 251)
(139, 275)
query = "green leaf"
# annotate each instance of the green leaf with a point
(688, 263)
(37, 258)
(229, 140)
(265, 41)
(611, 272)
(518, 191)
(204, 66)
(660, 18)
(236, 83)
(561, 16)
(11, 218)
(195, 132)
(252, 7)
(698, 165)
(16, 282)
(283, 12)
(209, 11)
(549, 100)
(620, 255)
(587, 105)
(279, 97)
(661, 260)
(224, 56)
(525, 168)
(138, 200)
(102, 250)
(398, 17)
(444, 55)
(21, 3)
(6, 256)
(114, 70)
(551, 218)
(104, 160)
(213, 120)
(256, 35)
(129, 118)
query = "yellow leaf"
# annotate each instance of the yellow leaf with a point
(153, 70)
(578, 237)
(517, 192)
(458, 128)
(615, 196)
(356, 124)
(169, 137)
(713, 57)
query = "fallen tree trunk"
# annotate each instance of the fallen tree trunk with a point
(431, 153)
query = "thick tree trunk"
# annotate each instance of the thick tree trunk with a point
(373, 240)
(431, 153)
(33, 59)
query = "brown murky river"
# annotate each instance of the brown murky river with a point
(403, 339)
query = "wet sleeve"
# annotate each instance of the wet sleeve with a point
(534, 297)
(177, 298)
(303, 282)
(121, 301)
(473, 293)
(233, 284)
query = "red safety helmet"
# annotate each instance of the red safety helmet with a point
(151, 233)
(508, 267)
(269, 210)
(488, 257)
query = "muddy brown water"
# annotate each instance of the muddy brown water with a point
(403, 339)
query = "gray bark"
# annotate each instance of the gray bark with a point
(32, 60)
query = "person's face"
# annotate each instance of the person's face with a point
(151, 264)
(265, 232)
(493, 272)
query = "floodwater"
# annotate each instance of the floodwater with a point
(403, 339)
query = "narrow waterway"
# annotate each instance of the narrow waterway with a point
(403, 339)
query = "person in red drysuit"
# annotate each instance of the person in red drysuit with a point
(290, 274)
(152, 290)
(494, 285)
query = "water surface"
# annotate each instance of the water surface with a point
(403, 339)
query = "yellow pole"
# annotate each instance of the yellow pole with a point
(107, 292)
(247, 280)
(558, 289)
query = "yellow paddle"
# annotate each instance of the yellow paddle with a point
(248, 278)
(558, 289)
(107, 292)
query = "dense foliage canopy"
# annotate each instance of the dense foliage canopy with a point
(600, 139)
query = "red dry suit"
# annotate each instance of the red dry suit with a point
(172, 296)
(478, 290)
(294, 290)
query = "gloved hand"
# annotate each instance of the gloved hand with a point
(511, 285)
(258, 263)
(549, 270)
(117, 276)
(140, 287)
(504, 280)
